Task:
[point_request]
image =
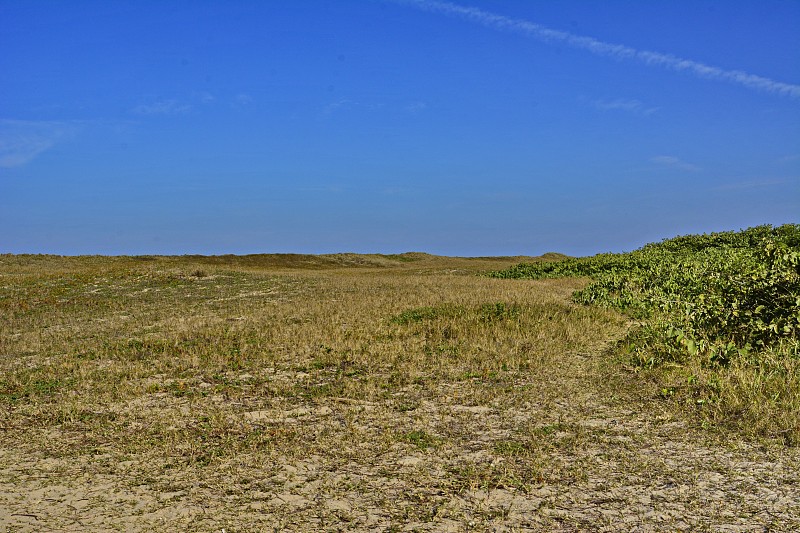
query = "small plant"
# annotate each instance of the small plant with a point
(33, 389)
(499, 311)
(549, 429)
(420, 439)
(510, 448)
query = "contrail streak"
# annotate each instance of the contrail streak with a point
(600, 48)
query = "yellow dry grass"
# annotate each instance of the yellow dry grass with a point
(340, 392)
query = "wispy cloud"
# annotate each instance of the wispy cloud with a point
(791, 158)
(163, 107)
(205, 97)
(416, 107)
(753, 184)
(601, 48)
(338, 105)
(345, 104)
(21, 141)
(675, 163)
(330, 188)
(242, 99)
(630, 106)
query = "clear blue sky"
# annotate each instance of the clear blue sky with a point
(378, 126)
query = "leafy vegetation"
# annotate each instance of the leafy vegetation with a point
(721, 311)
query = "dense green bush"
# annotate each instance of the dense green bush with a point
(703, 301)
(711, 292)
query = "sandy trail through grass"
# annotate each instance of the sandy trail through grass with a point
(354, 393)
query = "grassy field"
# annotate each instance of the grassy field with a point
(346, 392)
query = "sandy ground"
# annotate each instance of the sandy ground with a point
(614, 466)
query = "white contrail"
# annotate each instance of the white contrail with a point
(601, 48)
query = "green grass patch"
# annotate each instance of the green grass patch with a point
(510, 448)
(499, 311)
(420, 439)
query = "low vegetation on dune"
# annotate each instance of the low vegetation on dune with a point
(400, 392)
(718, 320)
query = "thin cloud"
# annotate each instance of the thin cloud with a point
(631, 106)
(242, 99)
(675, 163)
(345, 104)
(600, 48)
(754, 184)
(789, 158)
(416, 107)
(205, 97)
(338, 105)
(21, 141)
(163, 107)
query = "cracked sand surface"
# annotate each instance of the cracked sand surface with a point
(608, 469)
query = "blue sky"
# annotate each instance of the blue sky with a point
(485, 127)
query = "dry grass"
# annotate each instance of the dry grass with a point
(752, 398)
(339, 392)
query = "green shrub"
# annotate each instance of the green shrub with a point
(704, 300)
